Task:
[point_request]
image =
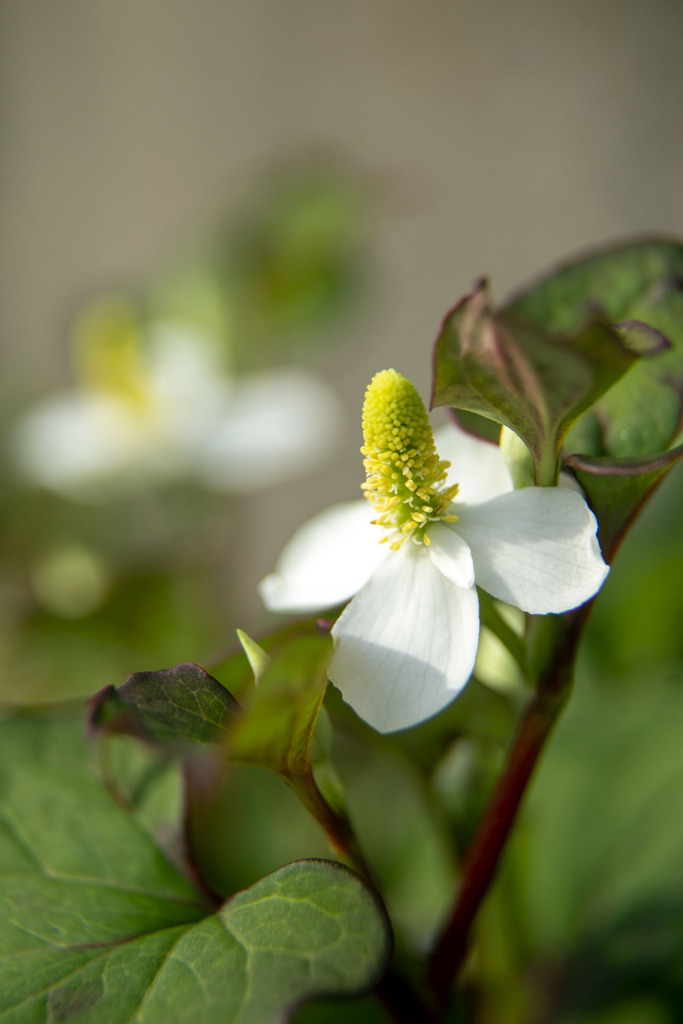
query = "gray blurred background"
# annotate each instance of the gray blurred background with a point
(496, 138)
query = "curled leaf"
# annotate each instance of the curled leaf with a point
(521, 375)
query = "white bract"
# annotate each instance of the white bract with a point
(406, 643)
(155, 405)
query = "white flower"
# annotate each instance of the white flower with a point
(406, 644)
(160, 407)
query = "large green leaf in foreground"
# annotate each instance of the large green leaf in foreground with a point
(96, 925)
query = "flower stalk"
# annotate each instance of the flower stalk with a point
(554, 643)
(336, 825)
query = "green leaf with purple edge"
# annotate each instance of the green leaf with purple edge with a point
(616, 489)
(98, 925)
(517, 373)
(276, 729)
(639, 288)
(178, 705)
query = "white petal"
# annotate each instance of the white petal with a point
(327, 560)
(75, 444)
(477, 466)
(276, 426)
(406, 644)
(187, 387)
(535, 548)
(451, 555)
(184, 361)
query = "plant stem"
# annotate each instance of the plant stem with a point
(556, 640)
(547, 467)
(336, 825)
(400, 1000)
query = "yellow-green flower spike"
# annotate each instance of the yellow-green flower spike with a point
(403, 470)
(108, 350)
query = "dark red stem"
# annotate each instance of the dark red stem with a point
(557, 651)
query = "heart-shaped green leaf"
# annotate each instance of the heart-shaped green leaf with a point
(630, 286)
(178, 705)
(98, 926)
(519, 374)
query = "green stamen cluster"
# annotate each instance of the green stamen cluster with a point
(401, 463)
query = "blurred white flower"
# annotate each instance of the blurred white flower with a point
(406, 643)
(154, 404)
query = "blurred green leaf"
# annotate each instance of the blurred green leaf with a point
(478, 711)
(607, 837)
(603, 853)
(148, 780)
(277, 727)
(521, 375)
(294, 263)
(463, 780)
(616, 489)
(234, 667)
(634, 285)
(180, 704)
(404, 834)
(630, 972)
(99, 926)
(277, 730)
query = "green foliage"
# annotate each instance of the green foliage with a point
(633, 284)
(616, 490)
(522, 376)
(277, 729)
(278, 275)
(98, 925)
(602, 884)
(182, 704)
(294, 263)
(185, 704)
(590, 358)
(236, 670)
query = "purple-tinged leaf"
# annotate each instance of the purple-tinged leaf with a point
(616, 490)
(178, 705)
(520, 375)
